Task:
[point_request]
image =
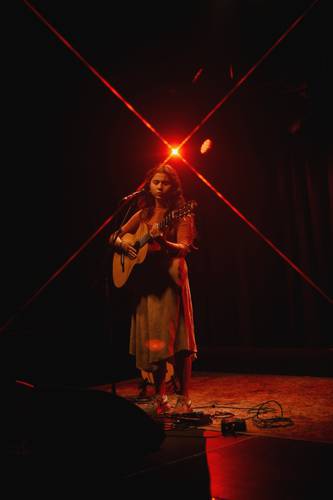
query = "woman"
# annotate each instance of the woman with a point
(162, 328)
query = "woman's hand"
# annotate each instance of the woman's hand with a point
(128, 250)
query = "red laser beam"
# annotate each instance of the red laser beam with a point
(150, 127)
(203, 179)
(54, 275)
(197, 75)
(257, 231)
(96, 73)
(26, 384)
(246, 76)
(201, 123)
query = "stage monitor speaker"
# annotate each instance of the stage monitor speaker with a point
(80, 423)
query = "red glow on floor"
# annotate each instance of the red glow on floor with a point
(220, 471)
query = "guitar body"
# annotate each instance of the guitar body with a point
(123, 265)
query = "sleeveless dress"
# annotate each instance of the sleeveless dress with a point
(162, 314)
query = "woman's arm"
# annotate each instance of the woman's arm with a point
(116, 241)
(185, 234)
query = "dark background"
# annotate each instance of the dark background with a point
(75, 150)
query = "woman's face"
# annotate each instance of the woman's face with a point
(160, 185)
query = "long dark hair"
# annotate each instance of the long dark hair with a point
(174, 198)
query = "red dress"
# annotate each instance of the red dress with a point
(162, 315)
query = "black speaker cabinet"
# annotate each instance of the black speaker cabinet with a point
(79, 423)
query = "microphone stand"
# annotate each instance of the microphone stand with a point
(106, 268)
(6, 332)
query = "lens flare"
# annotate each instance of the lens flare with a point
(205, 146)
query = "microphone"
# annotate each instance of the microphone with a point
(134, 195)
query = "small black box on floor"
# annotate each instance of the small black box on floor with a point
(229, 427)
(192, 418)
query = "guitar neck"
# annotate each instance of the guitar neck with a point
(166, 221)
(161, 225)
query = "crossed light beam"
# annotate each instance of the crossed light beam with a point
(174, 150)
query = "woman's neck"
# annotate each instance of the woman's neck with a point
(160, 204)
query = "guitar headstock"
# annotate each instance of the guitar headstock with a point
(185, 210)
(189, 207)
(179, 213)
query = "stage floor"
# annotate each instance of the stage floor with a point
(278, 444)
(284, 453)
(301, 406)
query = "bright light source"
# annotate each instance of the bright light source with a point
(174, 151)
(205, 146)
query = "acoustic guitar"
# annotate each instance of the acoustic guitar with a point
(123, 265)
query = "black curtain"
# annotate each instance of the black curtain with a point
(76, 150)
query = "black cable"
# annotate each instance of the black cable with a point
(280, 421)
